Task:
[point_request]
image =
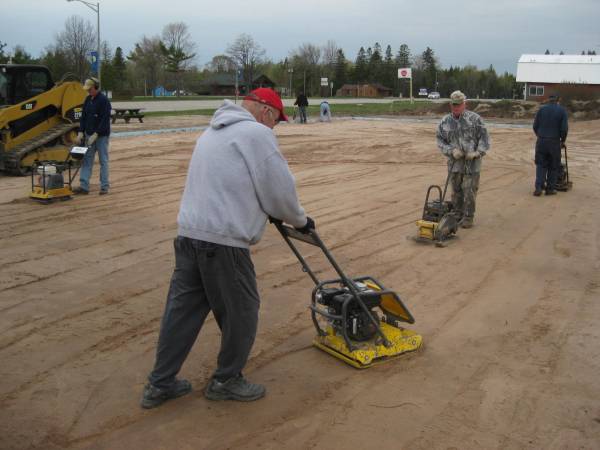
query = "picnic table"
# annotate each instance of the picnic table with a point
(127, 114)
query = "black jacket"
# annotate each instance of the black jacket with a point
(551, 122)
(95, 117)
(301, 100)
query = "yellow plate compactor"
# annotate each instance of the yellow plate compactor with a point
(440, 220)
(357, 320)
(52, 180)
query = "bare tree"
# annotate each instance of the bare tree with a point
(247, 54)
(178, 48)
(75, 42)
(305, 60)
(221, 63)
(330, 50)
(149, 62)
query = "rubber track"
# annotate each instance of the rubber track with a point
(13, 157)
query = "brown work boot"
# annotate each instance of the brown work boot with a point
(537, 192)
(80, 191)
(467, 222)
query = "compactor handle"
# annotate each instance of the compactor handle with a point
(312, 238)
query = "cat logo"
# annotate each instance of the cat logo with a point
(28, 106)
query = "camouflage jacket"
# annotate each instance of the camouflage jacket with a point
(467, 133)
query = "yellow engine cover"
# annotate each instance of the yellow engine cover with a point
(370, 353)
(427, 229)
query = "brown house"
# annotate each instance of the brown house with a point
(372, 90)
(567, 75)
(224, 84)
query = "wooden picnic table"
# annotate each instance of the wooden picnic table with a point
(127, 114)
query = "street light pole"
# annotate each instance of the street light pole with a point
(96, 8)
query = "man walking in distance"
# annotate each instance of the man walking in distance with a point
(302, 103)
(463, 138)
(237, 178)
(94, 132)
(551, 127)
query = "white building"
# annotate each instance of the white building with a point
(575, 75)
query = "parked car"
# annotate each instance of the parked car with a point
(422, 92)
(434, 95)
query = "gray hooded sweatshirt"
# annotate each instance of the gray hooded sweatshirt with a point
(236, 179)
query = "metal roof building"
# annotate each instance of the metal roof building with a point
(547, 74)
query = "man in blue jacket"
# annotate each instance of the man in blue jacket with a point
(237, 178)
(94, 132)
(551, 127)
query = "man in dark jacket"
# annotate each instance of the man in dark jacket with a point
(302, 103)
(94, 131)
(551, 127)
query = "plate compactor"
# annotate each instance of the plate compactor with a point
(48, 177)
(440, 220)
(357, 320)
(564, 183)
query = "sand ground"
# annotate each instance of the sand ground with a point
(509, 312)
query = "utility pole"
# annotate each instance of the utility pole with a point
(305, 82)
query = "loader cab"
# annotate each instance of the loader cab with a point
(20, 82)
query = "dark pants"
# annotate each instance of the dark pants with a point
(302, 114)
(207, 277)
(547, 163)
(464, 192)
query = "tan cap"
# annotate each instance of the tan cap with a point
(457, 97)
(90, 83)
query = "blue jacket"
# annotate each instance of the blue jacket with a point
(551, 122)
(95, 117)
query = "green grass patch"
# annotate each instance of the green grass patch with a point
(373, 109)
(183, 97)
(345, 109)
(189, 112)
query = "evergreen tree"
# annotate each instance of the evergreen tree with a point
(361, 67)
(3, 57)
(547, 52)
(389, 69)
(429, 68)
(375, 63)
(120, 69)
(20, 56)
(341, 70)
(403, 57)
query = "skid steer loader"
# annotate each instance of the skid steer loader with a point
(38, 118)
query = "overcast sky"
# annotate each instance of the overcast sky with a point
(480, 32)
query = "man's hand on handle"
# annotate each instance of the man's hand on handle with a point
(92, 139)
(457, 153)
(310, 225)
(473, 155)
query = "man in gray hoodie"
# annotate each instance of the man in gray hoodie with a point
(237, 178)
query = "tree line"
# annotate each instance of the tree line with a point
(168, 60)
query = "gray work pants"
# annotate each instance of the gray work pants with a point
(464, 192)
(207, 277)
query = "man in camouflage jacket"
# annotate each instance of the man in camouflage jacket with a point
(463, 138)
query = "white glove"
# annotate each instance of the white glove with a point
(92, 139)
(473, 155)
(79, 138)
(457, 153)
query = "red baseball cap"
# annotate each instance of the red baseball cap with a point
(269, 97)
